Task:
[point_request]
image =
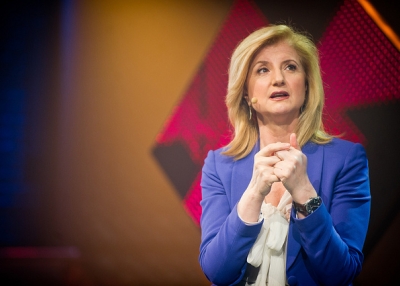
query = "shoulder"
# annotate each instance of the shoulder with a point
(337, 147)
(343, 148)
(341, 143)
(217, 170)
(336, 154)
(218, 157)
(218, 163)
(343, 155)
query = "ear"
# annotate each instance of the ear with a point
(244, 88)
(246, 94)
(245, 97)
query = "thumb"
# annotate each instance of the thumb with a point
(293, 141)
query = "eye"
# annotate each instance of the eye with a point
(262, 70)
(291, 67)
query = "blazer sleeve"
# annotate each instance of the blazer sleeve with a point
(225, 239)
(333, 239)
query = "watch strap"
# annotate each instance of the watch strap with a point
(309, 207)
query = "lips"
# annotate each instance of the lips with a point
(279, 95)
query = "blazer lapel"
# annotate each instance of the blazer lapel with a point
(241, 175)
(314, 153)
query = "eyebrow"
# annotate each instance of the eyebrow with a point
(260, 62)
(266, 62)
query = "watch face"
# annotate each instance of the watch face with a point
(313, 204)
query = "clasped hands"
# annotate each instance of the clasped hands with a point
(281, 162)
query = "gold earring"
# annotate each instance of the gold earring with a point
(253, 101)
(250, 112)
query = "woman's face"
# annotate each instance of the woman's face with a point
(278, 81)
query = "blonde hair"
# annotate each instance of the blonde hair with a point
(310, 126)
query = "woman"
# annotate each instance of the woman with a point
(284, 202)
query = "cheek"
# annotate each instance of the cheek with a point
(251, 86)
(300, 87)
(259, 84)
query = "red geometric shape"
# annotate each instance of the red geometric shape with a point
(200, 121)
(360, 67)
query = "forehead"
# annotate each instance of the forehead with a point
(280, 51)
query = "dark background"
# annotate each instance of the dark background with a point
(80, 112)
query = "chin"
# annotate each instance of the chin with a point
(285, 112)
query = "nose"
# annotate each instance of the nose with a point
(278, 78)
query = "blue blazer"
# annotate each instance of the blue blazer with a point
(324, 248)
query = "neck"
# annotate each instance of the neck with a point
(273, 132)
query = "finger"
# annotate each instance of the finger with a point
(290, 155)
(283, 173)
(293, 141)
(263, 178)
(285, 168)
(267, 161)
(267, 179)
(280, 174)
(282, 155)
(270, 149)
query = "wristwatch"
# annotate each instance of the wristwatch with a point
(309, 207)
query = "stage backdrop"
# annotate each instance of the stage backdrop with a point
(108, 109)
